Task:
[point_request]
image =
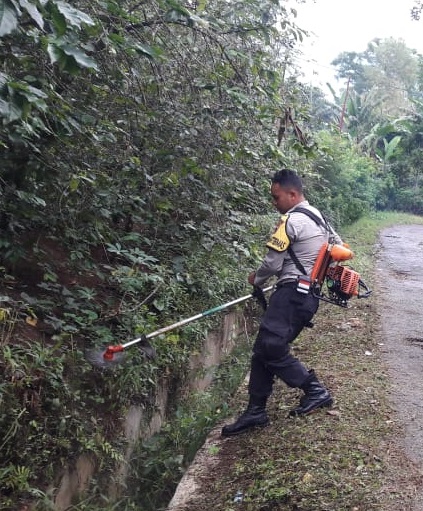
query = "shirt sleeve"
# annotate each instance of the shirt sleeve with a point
(272, 265)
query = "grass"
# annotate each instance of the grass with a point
(346, 459)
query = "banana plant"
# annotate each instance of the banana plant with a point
(390, 149)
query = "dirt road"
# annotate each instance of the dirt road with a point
(400, 301)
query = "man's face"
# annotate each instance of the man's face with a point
(283, 198)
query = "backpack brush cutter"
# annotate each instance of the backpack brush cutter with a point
(113, 355)
(341, 282)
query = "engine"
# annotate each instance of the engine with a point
(341, 282)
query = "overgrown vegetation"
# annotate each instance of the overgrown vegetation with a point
(137, 144)
(54, 405)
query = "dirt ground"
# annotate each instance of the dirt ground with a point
(398, 294)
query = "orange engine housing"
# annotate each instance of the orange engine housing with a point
(320, 266)
(328, 254)
(347, 280)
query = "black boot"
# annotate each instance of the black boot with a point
(315, 396)
(255, 415)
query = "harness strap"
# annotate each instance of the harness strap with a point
(319, 221)
(297, 262)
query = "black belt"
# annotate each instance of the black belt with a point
(287, 283)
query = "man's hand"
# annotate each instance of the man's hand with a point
(259, 296)
(251, 278)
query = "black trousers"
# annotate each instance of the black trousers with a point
(287, 314)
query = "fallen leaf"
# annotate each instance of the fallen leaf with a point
(31, 321)
(307, 477)
(335, 413)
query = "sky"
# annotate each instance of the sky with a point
(349, 25)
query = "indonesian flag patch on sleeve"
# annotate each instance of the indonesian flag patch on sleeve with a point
(279, 240)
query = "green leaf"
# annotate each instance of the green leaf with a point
(73, 184)
(32, 10)
(201, 5)
(3, 80)
(116, 38)
(8, 18)
(30, 92)
(34, 91)
(53, 52)
(59, 22)
(145, 50)
(4, 108)
(176, 6)
(73, 16)
(81, 58)
(15, 112)
(391, 146)
(69, 57)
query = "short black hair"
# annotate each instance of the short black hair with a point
(288, 178)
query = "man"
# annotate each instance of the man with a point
(293, 250)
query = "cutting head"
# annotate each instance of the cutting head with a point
(114, 355)
(111, 356)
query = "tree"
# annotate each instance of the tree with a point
(191, 91)
(54, 31)
(388, 67)
(350, 66)
(417, 10)
(344, 182)
(363, 112)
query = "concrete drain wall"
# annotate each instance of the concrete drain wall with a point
(77, 476)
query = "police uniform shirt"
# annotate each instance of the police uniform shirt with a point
(305, 237)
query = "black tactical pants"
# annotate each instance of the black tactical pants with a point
(287, 314)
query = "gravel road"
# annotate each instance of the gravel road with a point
(399, 291)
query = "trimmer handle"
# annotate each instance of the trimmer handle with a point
(368, 291)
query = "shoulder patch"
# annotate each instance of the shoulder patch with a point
(279, 240)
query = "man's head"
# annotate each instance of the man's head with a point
(286, 190)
